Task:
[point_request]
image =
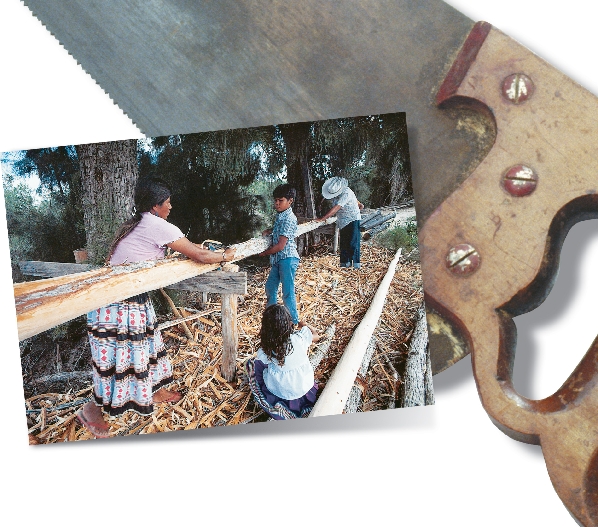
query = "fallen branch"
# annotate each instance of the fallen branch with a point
(178, 316)
(334, 397)
(195, 316)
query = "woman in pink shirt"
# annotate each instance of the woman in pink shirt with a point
(131, 369)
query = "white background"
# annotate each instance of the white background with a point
(439, 465)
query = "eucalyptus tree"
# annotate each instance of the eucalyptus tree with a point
(109, 172)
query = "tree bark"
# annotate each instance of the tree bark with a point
(415, 389)
(109, 173)
(322, 347)
(297, 141)
(356, 394)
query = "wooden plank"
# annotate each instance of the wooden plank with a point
(211, 282)
(51, 269)
(43, 304)
(221, 282)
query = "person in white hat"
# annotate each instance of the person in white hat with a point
(347, 208)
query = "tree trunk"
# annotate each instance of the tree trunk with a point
(297, 141)
(108, 176)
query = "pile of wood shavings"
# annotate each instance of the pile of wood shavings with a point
(326, 293)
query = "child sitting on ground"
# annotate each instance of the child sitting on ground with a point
(284, 257)
(281, 377)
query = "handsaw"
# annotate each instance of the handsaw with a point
(355, 58)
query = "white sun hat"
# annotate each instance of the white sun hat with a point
(334, 187)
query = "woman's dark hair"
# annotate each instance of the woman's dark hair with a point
(149, 191)
(277, 326)
(284, 191)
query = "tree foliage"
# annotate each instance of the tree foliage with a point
(221, 181)
(211, 174)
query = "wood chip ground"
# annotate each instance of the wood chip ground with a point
(326, 293)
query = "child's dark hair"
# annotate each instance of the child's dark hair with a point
(149, 191)
(277, 326)
(285, 191)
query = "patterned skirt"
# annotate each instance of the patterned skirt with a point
(276, 407)
(128, 355)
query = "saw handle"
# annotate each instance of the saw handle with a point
(490, 251)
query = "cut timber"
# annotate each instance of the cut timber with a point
(335, 240)
(372, 232)
(334, 397)
(417, 365)
(370, 218)
(322, 347)
(428, 383)
(230, 335)
(43, 304)
(378, 221)
(211, 282)
(358, 389)
(220, 282)
(51, 269)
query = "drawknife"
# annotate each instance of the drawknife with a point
(501, 154)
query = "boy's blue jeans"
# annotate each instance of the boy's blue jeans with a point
(283, 272)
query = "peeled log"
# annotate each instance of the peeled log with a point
(43, 304)
(417, 386)
(333, 399)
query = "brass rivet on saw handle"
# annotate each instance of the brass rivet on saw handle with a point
(517, 88)
(463, 259)
(520, 181)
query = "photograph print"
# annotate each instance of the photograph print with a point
(218, 278)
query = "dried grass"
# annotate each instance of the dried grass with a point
(325, 294)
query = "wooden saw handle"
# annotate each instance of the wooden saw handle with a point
(490, 251)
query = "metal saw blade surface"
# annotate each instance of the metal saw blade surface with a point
(183, 66)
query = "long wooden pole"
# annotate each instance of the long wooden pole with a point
(43, 304)
(334, 397)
